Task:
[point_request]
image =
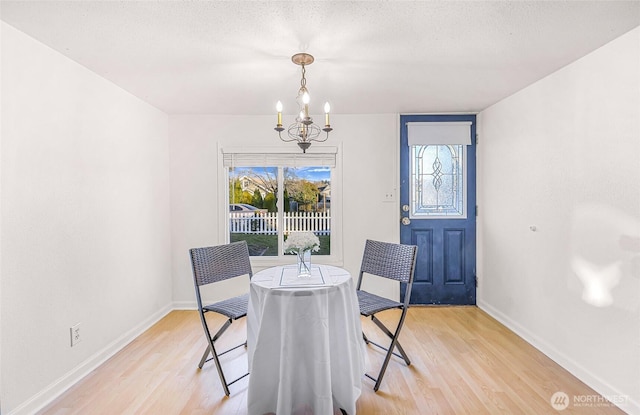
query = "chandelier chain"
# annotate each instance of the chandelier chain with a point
(303, 81)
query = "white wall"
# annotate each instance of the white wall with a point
(85, 220)
(369, 168)
(564, 155)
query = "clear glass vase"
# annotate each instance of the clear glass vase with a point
(304, 263)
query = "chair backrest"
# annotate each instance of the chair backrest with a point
(388, 260)
(217, 263)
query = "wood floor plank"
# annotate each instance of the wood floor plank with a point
(463, 362)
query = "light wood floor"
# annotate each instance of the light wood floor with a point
(463, 362)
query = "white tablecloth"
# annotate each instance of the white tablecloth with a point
(305, 346)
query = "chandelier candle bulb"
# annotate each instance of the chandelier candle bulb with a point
(306, 99)
(279, 109)
(327, 108)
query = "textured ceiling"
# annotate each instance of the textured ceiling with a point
(196, 57)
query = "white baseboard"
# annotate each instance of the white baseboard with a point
(596, 383)
(57, 388)
(185, 305)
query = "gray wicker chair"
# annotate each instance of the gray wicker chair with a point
(210, 265)
(396, 262)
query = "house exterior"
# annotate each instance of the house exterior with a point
(324, 198)
(250, 185)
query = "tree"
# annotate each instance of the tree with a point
(257, 200)
(269, 202)
(286, 201)
(237, 195)
(303, 192)
(267, 178)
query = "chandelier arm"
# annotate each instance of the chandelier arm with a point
(322, 140)
(286, 140)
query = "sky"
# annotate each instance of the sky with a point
(312, 174)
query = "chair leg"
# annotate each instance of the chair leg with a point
(223, 379)
(211, 349)
(214, 356)
(383, 369)
(204, 357)
(394, 344)
(386, 331)
(222, 329)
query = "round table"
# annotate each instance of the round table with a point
(304, 339)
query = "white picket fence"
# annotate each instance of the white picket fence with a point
(266, 223)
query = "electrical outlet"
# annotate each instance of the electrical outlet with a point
(75, 334)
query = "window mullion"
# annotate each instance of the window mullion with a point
(280, 209)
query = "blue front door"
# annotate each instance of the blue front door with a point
(438, 210)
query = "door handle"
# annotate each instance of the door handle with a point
(405, 221)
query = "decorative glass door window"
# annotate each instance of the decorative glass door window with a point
(438, 181)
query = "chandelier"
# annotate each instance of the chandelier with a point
(303, 130)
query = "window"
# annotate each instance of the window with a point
(437, 181)
(437, 175)
(272, 195)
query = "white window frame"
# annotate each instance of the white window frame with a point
(289, 155)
